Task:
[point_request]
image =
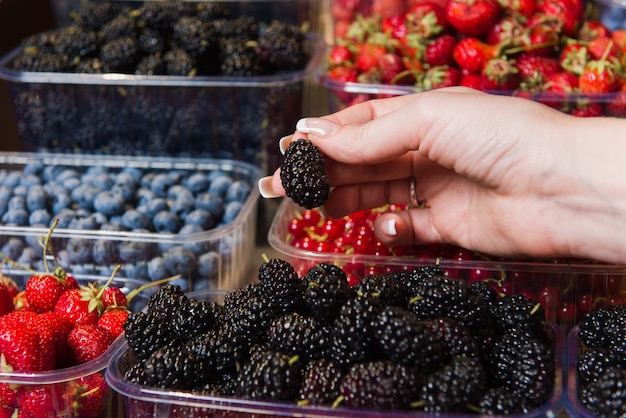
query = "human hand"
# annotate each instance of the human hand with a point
(500, 175)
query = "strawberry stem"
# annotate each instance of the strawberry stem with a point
(46, 243)
(15, 264)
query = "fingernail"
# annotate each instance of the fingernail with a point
(389, 227)
(317, 126)
(266, 189)
(322, 212)
(283, 143)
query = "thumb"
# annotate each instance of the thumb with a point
(413, 226)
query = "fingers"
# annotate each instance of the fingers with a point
(412, 226)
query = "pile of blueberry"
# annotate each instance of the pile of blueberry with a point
(156, 223)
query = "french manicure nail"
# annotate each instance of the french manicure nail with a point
(317, 126)
(266, 189)
(389, 227)
(283, 143)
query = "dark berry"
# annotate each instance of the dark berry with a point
(303, 174)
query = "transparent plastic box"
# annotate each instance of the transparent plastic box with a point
(216, 258)
(566, 288)
(58, 383)
(572, 405)
(225, 117)
(146, 402)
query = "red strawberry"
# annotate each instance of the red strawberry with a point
(507, 30)
(426, 19)
(113, 320)
(367, 56)
(6, 300)
(8, 412)
(61, 328)
(439, 50)
(591, 29)
(473, 17)
(8, 394)
(386, 7)
(603, 47)
(524, 8)
(599, 76)
(27, 341)
(619, 37)
(574, 58)
(557, 90)
(471, 54)
(339, 55)
(88, 395)
(41, 401)
(535, 69)
(617, 105)
(471, 80)
(113, 296)
(568, 12)
(394, 26)
(77, 307)
(10, 284)
(587, 109)
(500, 74)
(87, 342)
(43, 291)
(442, 76)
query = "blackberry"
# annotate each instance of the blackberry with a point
(121, 26)
(161, 15)
(93, 15)
(178, 62)
(597, 325)
(352, 336)
(455, 338)
(209, 11)
(487, 293)
(387, 287)
(145, 333)
(279, 282)
(244, 26)
(135, 374)
(222, 385)
(453, 387)
(380, 384)
(238, 58)
(222, 349)
(518, 311)
(150, 65)
(196, 317)
(407, 340)
(120, 55)
(303, 174)
(32, 60)
(326, 289)
(281, 46)
(197, 38)
(593, 362)
(271, 376)
(173, 367)
(606, 397)
(320, 382)
(522, 363)
(249, 313)
(166, 301)
(294, 333)
(90, 66)
(151, 41)
(411, 278)
(500, 401)
(76, 43)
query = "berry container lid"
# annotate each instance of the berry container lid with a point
(60, 383)
(154, 402)
(211, 254)
(217, 116)
(567, 288)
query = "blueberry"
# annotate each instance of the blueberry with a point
(177, 175)
(176, 191)
(63, 258)
(83, 195)
(50, 172)
(3, 207)
(28, 257)
(197, 246)
(183, 205)
(238, 191)
(100, 219)
(197, 182)
(34, 241)
(13, 248)
(60, 201)
(127, 191)
(30, 179)
(200, 217)
(133, 219)
(127, 178)
(219, 186)
(135, 172)
(166, 221)
(155, 206)
(134, 251)
(35, 198)
(109, 203)
(20, 190)
(79, 250)
(144, 196)
(17, 202)
(84, 269)
(65, 217)
(231, 210)
(12, 179)
(96, 169)
(104, 252)
(146, 179)
(208, 265)
(181, 282)
(138, 271)
(17, 217)
(156, 269)
(5, 193)
(213, 203)
(84, 223)
(113, 226)
(180, 260)
(53, 187)
(64, 174)
(101, 181)
(161, 183)
(39, 217)
(71, 183)
(33, 167)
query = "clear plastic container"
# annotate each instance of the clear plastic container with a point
(612, 13)
(141, 251)
(145, 402)
(572, 405)
(567, 289)
(236, 118)
(63, 382)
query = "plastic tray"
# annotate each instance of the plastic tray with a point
(152, 402)
(566, 289)
(61, 381)
(236, 118)
(229, 244)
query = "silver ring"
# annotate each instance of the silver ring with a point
(413, 202)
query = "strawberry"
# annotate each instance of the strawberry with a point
(473, 17)
(88, 395)
(574, 58)
(367, 55)
(619, 37)
(87, 342)
(557, 90)
(439, 50)
(19, 346)
(587, 109)
(426, 19)
(8, 412)
(568, 12)
(507, 30)
(113, 320)
(41, 401)
(599, 76)
(43, 291)
(77, 307)
(535, 69)
(617, 105)
(339, 55)
(113, 296)
(10, 284)
(591, 29)
(540, 40)
(471, 80)
(6, 300)
(386, 7)
(61, 328)
(603, 47)
(500, 74)
(471, 54)
(8, 394)
(394, 26)
(525, 8)
(442, 76)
